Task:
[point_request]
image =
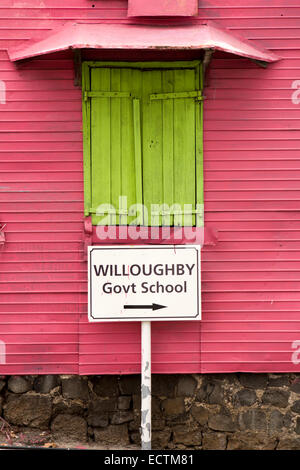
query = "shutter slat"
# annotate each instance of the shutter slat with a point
(152, 145)
(138, 158)
(184, 145)
(116, 181)
(130, 82)
(100, 142)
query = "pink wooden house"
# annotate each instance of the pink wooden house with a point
(250, 233)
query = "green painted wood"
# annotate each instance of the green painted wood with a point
(170, 96)
(138, 160)
(168, 146)
(100, 141)
(152, 145)
(142, 150)
(184, 145)
(179, 64)
(131, 82)
(108, 94)
(112, 144)
(115, 144)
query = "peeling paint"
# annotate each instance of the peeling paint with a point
(2, 92)
(146, 392)
(146, 386)
(147, 445)
(144, 416)
(296, 354)
(2, 352)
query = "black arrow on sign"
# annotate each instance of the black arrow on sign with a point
(152, 307)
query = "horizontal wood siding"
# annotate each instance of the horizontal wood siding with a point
(251, 276)
(250, 288)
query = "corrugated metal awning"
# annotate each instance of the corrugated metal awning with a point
(130, 36)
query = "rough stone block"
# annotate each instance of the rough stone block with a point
(156, 406)
(187, 436)
(158, 424)
(30, 410)
(105, 385)
(130, 384)
(289, 443)
(45, 383)
(200, 414)
(75, 387)
(205, 389)
(226, 379)
(120, 417)
(256, 381)
(18, 384)
(116, 435)
(214, 441)
(135, 438)
(278, 398)
(186, 386)
(124, 402)
(249, 441)
(64, 406)
(297, 428)
(69, 428)
(164, 386)
(136, 402)
(278, 421)
(279, 381)
(135, 424)
(253, 419)
(296, 407)
(245, 397)
(160, 439)
(173, 406)
(2, 385)
(295, 386)
(221, 421)
(99, 410)
(216, 397)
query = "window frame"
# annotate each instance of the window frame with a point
(86, 122)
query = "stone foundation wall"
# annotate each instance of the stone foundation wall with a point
(213, 412)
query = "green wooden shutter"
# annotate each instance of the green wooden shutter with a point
(169, 144)
(113, 143)
(143, 140)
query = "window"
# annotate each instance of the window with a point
(142, 125)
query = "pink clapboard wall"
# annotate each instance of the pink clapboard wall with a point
(251, 270)
(163, 8)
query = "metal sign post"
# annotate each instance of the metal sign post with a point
(146, 385)
(144, 284)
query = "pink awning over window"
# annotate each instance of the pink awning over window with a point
(128, 36)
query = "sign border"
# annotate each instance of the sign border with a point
(92, 319)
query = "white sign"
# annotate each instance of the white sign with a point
(143, 283)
